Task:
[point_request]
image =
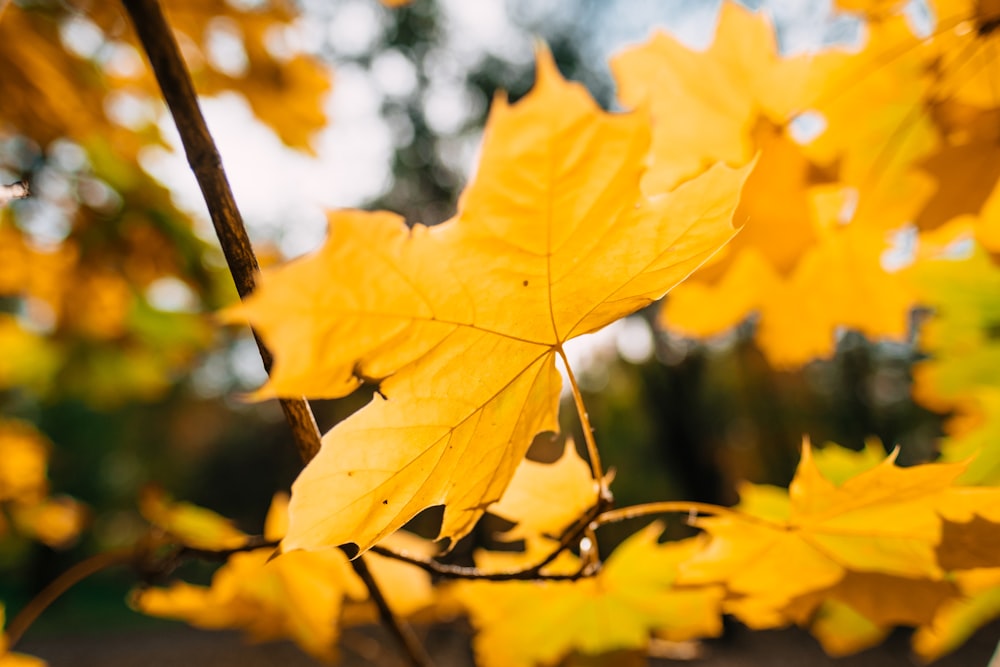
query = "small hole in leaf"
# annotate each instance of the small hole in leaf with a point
(385, 502)
(525, 283)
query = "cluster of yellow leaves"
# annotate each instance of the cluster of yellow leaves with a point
(461, 324)
(302, 596)
(24, 489)
(905, 134)
(104, 340)
(308, 595)
(873, 546)
(523, 623)
(630, 599)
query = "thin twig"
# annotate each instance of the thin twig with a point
(65, 581)
(570, 536)
(403, 633)
(178, 91)
(449, 571)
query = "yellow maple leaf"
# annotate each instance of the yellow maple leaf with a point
(189, 524)
(882, 521)
(707, 102)
(465, 320)
(544, 499)
(538, 622)
(302, 596)
(875, 589)
(297, 596)
(797, 263)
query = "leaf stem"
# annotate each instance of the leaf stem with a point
(65, 581)
(665, 507)
(588, 431)
(203, 156)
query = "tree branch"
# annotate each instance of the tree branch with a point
(178, 91)
(449, 571)
(61, 584)
(206, 163)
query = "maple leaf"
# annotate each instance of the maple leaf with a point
(538, 622)
(464, 320)
(706, 103)
(302, 596)
(897, 514)
(189, 524)
(296, 596)
(544, 499)
(883, 521)
(796, 263)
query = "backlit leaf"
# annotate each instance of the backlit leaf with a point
(189, 524)
(464, 320)
(523, 623)
(543, 499)
(883, 521)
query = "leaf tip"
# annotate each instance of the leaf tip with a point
(546, 70)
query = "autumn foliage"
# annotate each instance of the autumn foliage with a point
(843, 189)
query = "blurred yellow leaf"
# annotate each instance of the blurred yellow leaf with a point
(189, 524)
(806, 263)
(24, 455)
(544, 499)
(302, 596)
(528, 623)
(842, 631)
(56, 521)
(884, 520)
(705, 103)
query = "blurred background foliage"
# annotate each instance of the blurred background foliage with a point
(108, 282)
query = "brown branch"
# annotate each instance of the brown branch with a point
(61, 584)
(206, 163)
(403, 633)
(449, 571)
(178, 91)
(571, 535)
